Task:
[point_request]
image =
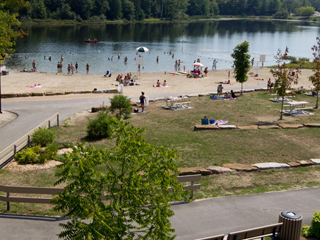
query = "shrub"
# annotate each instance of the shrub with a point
(101, 127)
(51, 151)
(43, 137)
(121, 105)
(314, 229)
(26, 156)
(37, 149)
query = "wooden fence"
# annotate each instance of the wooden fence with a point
(52, 191)
(8, 154)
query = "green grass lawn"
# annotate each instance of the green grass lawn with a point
(174, 129)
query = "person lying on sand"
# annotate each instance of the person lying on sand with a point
(226, 82)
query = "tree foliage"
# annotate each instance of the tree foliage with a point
(168, 9)
(118, 193)
(121, 105)
(8, 31)
(315, 78)
(241, 62)
(284, 76)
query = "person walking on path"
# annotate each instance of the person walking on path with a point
(142, 100)
(87, 67)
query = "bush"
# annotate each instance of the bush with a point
(26, 156)
(101, 127)
(121, 105)
(314, 229)
(37, 149)
(43, 137)
(51, 151)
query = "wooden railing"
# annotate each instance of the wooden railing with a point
(52, 191)
(7, 154)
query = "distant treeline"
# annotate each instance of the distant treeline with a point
(163, 9)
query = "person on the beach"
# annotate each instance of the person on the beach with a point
(252, 62)
(126, 59)
(269, 85)
(158, 83)
(206, 71)
(24, 70)
(142, 99)
(164, 83)
(157, 59)
(76, 66)
(87, 67)
(72, 68)
(69, 68)
(34, 66)
(61, 59)
(226, 95)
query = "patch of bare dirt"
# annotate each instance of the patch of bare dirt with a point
(81, 117)
(14, 166)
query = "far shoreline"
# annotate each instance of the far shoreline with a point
(52, 22)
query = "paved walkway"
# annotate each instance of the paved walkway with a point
(201, 218)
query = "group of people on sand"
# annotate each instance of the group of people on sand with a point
(159, 84)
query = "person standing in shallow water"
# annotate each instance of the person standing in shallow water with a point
(76, 66)
(87, 67)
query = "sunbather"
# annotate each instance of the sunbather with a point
(164, 83)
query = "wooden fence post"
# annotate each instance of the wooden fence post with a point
(58, 120)
(8, 203)
(49, 124)
(191, 195)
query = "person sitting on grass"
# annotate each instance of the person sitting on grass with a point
(233, 95)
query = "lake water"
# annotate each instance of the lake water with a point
(205, 40)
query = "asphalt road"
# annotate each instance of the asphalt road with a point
(201, 218)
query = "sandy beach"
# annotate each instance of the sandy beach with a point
(23, 82)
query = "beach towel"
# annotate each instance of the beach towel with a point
(221, 122)
(35, 86)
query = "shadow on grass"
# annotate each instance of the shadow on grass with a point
(31, 217)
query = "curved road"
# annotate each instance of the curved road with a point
(200, 218)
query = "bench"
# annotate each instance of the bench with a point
(256, 233)
(217, 237)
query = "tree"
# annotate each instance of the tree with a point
(8, 31)
(241, 62)
(118, 193)
(305, 11)
(315, 78)
(284, 76)
(121, 105)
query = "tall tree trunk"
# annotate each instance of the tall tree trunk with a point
(281, 112)
(241, 88)
(317, 100)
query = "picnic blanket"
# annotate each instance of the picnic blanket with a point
(35, 86)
